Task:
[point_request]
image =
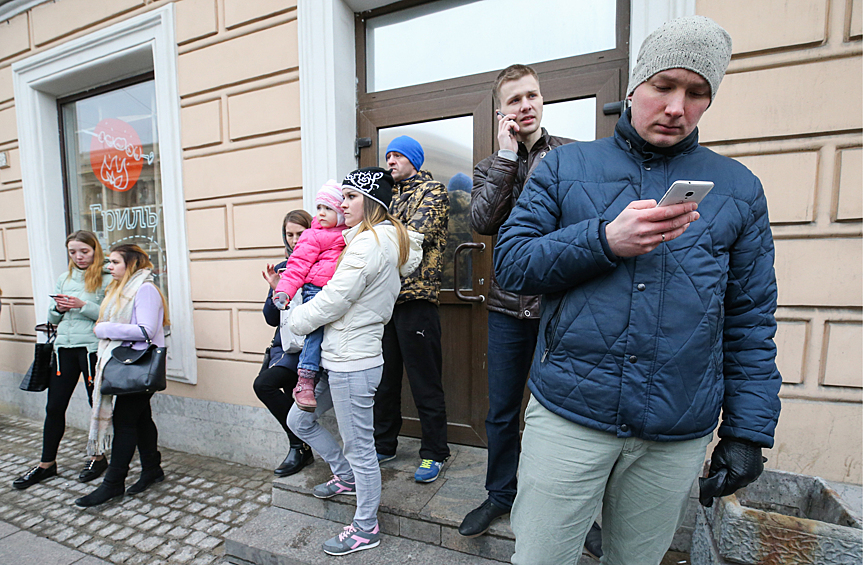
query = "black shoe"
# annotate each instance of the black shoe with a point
(103, 494)
(297, 458)
(593, 541)
(478, 520)
(146, 479)
(35, 475)
(93, 470)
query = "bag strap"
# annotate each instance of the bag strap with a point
(146, 337)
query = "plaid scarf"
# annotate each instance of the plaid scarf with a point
(119, 310)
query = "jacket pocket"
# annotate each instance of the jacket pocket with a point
(551, 337)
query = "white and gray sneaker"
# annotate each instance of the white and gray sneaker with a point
(352, 539)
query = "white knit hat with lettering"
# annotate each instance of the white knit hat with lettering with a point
(694, 43)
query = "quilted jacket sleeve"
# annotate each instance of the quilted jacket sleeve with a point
(534, 253)
(491, 196)
(752, 381)
(300, 262)
(343, 290)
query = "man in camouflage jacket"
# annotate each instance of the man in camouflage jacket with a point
(412, 338)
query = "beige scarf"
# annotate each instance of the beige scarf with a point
(119, 310)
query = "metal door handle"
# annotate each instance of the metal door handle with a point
(463, 247)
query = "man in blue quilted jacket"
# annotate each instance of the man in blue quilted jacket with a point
(654, 319)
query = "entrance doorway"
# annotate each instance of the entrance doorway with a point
(426, 71)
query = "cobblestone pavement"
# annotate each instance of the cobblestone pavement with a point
(182, 520)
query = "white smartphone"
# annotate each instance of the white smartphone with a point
(686, 191)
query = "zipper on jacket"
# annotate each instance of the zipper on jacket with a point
(555, 321)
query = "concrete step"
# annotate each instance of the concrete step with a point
(429, 513)
(281, 537)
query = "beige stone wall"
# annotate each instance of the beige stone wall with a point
(239, 97)
(791, 109)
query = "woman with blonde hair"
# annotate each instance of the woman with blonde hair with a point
(74, 310)
(353, 308)
(133, 311)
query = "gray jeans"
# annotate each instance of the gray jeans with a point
(566, 470)
(352, 395)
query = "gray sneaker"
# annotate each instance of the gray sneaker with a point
(333, 487)
(352, 539)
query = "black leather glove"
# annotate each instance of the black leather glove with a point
(734, 464)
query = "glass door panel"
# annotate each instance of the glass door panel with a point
(575, 119)
(448, 148)
(452, 29)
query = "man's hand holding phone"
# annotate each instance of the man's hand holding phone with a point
(507, 128)
(642, 226)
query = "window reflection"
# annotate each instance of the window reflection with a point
(448, 148)
(451, 29)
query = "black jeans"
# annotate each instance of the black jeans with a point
(273, 387)
(412, 343)
(511, 343)
(133, 427)
(73, 362)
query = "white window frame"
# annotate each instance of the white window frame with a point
(129, 48)
(328, 110)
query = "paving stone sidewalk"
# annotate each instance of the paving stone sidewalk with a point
(182, 520)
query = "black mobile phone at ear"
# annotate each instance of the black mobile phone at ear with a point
(502, 115)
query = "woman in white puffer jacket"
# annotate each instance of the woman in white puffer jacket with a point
(353, 307)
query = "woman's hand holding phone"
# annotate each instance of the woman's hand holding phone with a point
(65, 302)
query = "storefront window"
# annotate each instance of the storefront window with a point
(113, 185)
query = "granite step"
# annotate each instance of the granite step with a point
(281, 537)
(428, 513)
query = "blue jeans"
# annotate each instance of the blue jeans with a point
(510, 351)
(310, 355)
(352, 396)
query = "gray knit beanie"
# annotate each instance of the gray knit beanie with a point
(694, 43)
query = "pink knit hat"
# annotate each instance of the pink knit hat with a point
(330, 195)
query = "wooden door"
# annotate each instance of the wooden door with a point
(454, 122)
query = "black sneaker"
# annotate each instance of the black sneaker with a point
(478, 520)
(94, 469)
(35, 475)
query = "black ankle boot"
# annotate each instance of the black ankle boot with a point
(298, 457)
(104, 493)
(148, 477)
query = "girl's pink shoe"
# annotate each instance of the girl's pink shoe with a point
(304, 392)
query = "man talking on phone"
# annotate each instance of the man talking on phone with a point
(653, 318)
(513, 320)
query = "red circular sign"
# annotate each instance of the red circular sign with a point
(116, 154)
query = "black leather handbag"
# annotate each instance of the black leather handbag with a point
(131, 371)
(44, 363)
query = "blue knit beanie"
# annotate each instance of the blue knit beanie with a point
(460, 181)
(410, 148)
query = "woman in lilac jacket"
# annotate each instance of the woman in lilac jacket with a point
(133, 305)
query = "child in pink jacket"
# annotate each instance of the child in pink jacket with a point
(311, 266)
